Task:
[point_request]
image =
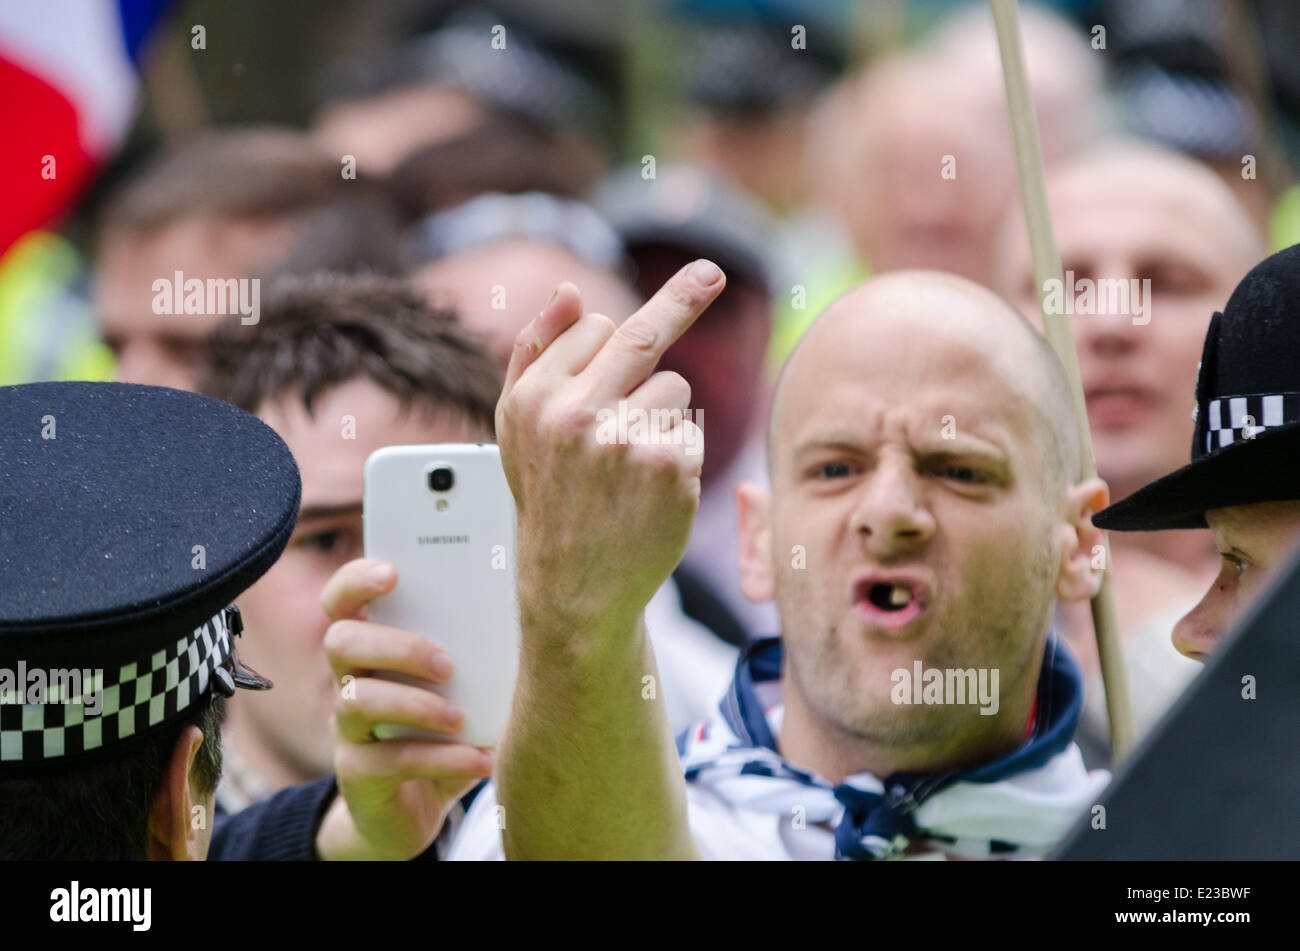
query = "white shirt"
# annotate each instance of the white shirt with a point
(720, 831)
(725, 832)
(1038, 804)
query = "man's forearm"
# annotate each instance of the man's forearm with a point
(588, 768)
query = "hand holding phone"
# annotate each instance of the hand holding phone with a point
(443, 515)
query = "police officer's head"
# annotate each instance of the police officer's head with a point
(133, 516)
(1241, 480)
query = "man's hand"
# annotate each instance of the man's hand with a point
(588, 768)
(395, 794)
(601, 524)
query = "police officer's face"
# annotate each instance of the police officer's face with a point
(912, 515)
(1253, 542)
(284, 622)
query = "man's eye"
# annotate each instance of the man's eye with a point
(1176, 281)
(1232, 561)
(833, 470)
(962, 474)
(323, 542)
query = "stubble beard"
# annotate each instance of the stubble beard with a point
(829, 678)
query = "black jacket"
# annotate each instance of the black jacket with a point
(281, 828)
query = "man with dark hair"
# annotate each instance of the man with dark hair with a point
(339, 366)
(231, 206)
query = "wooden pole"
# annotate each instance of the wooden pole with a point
(1047, 266)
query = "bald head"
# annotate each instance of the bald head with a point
(1133, 214)
(1065, 74)
(926, 328)
(913, 153)
(922, 441)
(1149, 194)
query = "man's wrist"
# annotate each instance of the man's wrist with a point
(567, 633)
(336, 836)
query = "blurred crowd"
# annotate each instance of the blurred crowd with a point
(455, 161)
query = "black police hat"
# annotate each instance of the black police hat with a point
(1247, 439)
(130, 518)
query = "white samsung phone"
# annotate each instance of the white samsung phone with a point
(445, 518)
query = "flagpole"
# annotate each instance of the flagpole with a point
(1047, 266)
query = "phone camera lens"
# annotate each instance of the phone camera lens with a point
(441, 479)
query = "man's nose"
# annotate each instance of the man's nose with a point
(1201, 629)
(1104, 334)
(892, 515)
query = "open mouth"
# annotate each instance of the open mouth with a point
(890, 597)
(892, 603)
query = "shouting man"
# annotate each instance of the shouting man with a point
(924, 511)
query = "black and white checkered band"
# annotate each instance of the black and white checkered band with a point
(1232, 419)
(130, 699)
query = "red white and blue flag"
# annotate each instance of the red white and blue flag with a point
(68, 82)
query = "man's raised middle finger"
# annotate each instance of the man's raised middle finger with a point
(631, 354)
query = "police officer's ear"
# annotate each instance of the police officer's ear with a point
(1080, 543)
(754, 509)
(174, 835)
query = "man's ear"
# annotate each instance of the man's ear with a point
(1082, 545)
(754, 507)
(172, 834)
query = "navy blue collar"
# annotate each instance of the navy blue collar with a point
(1060, 700)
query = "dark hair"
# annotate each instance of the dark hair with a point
(503, 153)
(260, 174)
(354, 234)
(230, 174)
(319, 331)
(99, 811)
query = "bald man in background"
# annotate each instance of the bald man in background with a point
(1129, 210)
(923, 512)
(913, 153)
